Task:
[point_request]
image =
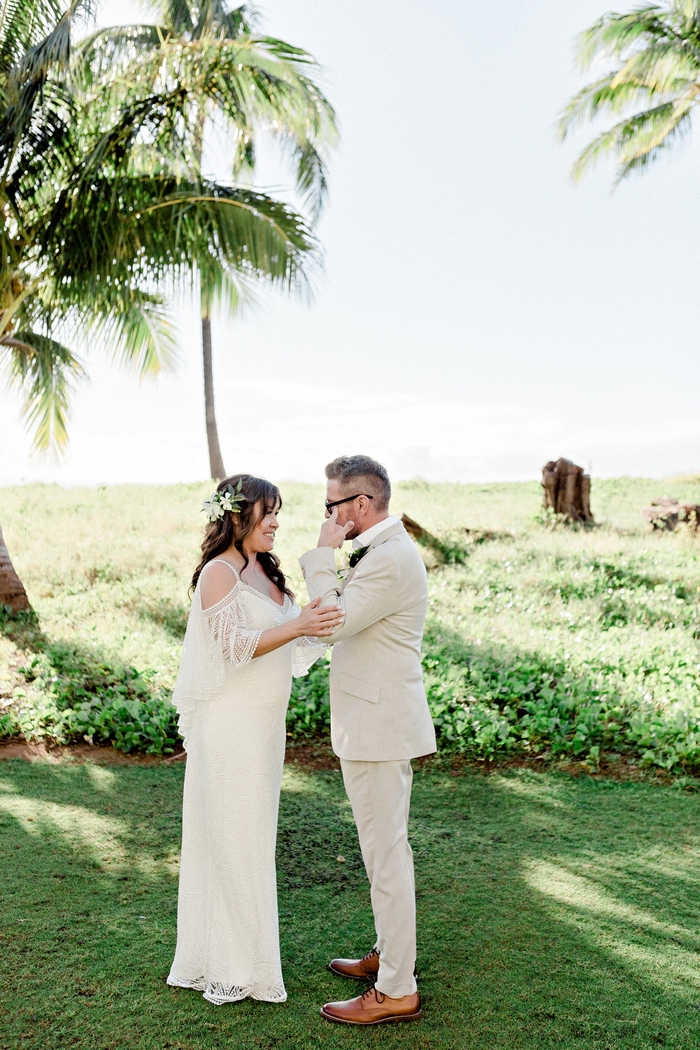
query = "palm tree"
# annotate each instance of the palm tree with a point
(98, 216)
(42, 165)
(237, 83)
(653, 84)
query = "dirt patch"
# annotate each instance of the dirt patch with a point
(102, 755)
(317, 755)
(614, 767)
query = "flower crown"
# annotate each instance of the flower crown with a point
(229, 499)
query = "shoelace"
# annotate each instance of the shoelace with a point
(370, 955)
(379, 996)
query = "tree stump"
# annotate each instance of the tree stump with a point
(567, 490)
(12, 592)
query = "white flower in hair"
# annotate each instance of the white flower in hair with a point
(213, 509)
(220, 502)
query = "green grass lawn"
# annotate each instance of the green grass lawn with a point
(553, 912)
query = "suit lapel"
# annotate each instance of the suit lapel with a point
(385, 534)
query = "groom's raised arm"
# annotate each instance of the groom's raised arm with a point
(368, 597)
(319, 572)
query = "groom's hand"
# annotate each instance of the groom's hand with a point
(332, 534)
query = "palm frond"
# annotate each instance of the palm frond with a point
(631, 138)
(45, 370)
(598, 98)
(141, 335)
(23, 23)
(102, 255)
(26, 82)
(255, 84)
(664, 68)
(652, 135)
(657, 51)
(311, 174)
(613, 34)
(184, 17)
(225, 289)
(96, 53)
(238, 230)
(690, 11)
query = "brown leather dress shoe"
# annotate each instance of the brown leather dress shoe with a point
(374, 1008)
(364, 969)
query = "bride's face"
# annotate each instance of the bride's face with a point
(262, 537)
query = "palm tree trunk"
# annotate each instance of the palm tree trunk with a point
(216, 462)
(12, 592)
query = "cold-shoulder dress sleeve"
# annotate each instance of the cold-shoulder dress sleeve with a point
(216, 637)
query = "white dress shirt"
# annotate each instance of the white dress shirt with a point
(366, 537)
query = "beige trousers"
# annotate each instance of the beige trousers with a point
(380, 796)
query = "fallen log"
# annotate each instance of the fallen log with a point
(446, 553)
(417, 531)
(665, 513)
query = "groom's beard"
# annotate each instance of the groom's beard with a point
(354, 533)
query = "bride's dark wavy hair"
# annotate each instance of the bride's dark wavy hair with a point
(261, 497)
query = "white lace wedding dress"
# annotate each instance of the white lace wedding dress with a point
(232, 717)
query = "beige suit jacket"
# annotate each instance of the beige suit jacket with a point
(379, 712)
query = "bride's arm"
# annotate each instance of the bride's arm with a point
(240, 642)
(312, 622)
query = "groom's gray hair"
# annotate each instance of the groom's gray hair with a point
(364, 473)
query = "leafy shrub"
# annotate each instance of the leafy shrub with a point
(486, 704)
(309, 711)
(75, 696)
(9, 726)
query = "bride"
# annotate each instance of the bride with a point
(245, 639)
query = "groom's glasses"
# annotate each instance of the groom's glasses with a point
(348, 499)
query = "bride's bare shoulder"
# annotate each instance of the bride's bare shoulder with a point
(217, 581)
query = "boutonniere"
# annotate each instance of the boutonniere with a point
(358, 555)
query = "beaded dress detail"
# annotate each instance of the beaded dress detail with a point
(232, 712)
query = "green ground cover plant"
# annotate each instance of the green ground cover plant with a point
(553, 912)
(541, 639)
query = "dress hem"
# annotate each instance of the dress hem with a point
(221, 1000)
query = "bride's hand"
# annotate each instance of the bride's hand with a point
(316, 622)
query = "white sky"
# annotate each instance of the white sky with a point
(479, 314)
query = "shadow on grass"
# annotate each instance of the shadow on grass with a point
(166, 614)
(553, 912)
(24, 629)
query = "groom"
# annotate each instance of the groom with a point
(379, 717)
